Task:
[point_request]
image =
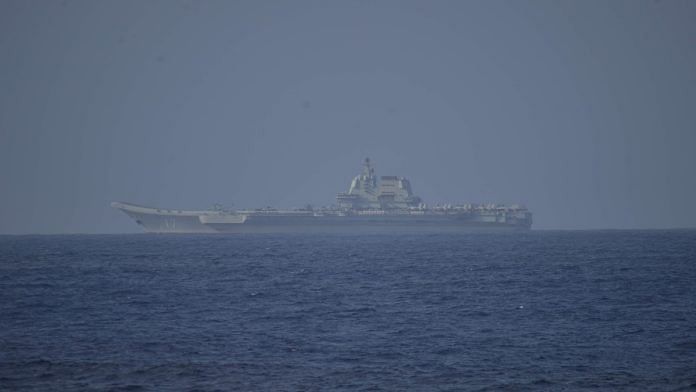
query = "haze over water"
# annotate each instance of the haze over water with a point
(583, 111)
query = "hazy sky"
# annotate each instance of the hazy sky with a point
(585, 111)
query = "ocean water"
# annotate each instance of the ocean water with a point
(543, 310)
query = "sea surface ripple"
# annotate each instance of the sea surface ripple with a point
(541, 310)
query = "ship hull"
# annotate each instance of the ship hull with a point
(154, 220)
(358, 224)
(364, 228)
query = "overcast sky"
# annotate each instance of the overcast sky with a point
(585, 111)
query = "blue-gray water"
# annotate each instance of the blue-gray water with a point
(612, 310)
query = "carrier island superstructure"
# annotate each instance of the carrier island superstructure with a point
(371, 204)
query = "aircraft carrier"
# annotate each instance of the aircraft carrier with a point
(386, 204)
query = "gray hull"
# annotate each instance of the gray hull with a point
(362, 224)
(366, 228)
(155, 220)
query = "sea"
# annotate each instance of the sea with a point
(525, 311)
